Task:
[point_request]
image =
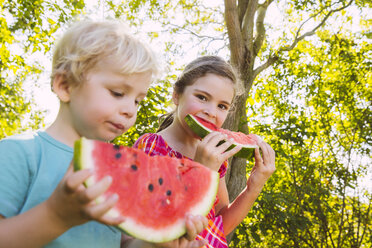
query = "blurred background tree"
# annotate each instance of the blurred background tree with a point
(26, 32)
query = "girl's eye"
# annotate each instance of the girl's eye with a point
(116, 94)
(223, 107)
(201, 97)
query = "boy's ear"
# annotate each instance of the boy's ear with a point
(61, 88)
(175, 97)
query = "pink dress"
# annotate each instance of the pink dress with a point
(153, 144)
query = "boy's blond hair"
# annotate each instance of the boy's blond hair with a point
(91, 45)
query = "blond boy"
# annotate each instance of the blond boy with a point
(100, 74)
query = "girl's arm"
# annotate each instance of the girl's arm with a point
(70, 204)
(233, 214)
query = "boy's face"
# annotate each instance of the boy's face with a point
(105, 105)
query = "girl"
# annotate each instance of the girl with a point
(206, 89)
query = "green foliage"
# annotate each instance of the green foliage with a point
(319, 99)
(26, 28)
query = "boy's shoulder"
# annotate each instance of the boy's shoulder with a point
(26, 140)
(31, 142)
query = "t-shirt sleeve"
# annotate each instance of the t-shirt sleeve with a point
(14, 177)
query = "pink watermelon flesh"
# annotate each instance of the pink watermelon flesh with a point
(155, 193)
(238, 137)
(202, 127)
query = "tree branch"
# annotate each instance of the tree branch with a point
(273, 58)
(234, 32)
(309, 33)
(248, 23)
(260, 27)
(195, 34)
(242, 6)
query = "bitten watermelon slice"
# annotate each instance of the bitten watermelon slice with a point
(202, 128)
(155, 193)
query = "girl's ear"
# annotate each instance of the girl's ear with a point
(61, 88)
(175, 97)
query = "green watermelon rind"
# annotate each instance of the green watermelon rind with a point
(82, 160)
(177, 230)
(246, 152)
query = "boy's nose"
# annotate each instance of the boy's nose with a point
(128, 109)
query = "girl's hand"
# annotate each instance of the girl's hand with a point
(264, 165)
(194, 225)
(73, 204)
(211, 155)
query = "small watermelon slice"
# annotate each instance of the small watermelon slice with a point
(155, 193)
(203, 127)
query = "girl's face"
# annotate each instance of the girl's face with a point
(210, 98)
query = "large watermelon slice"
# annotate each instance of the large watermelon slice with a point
(202, 127)
(155, 193)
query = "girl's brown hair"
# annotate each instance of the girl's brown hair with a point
(196, 69)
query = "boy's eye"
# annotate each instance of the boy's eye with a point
(116, 93)
(138, 101)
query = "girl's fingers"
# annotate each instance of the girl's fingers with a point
(194, 225)
(226, 144)
(190, 228)
(198, 243)
(257, 156)
(213, 138)
(231, 152)
(267, 153)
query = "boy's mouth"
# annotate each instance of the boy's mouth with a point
(117, 125)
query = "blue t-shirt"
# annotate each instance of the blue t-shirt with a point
(32, 165)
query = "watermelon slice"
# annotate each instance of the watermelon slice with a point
(203, 127)
(155, 193)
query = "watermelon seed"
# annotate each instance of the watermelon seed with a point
(134, 167)
(151, 187)
(117, 147)
(169, 193)
(118, 155)
(185, 188)
(160, 181)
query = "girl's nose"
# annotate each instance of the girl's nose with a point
(210, 112)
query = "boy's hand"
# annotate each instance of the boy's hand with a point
(264, 166)
(211, 155)
(73, 204)
(194, 225)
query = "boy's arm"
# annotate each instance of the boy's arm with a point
(33, 228)
(70, 204)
